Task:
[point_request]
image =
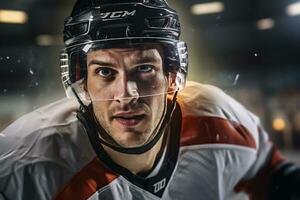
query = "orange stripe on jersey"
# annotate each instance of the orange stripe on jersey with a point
(258, 187)
(214, 130)
(87, 181)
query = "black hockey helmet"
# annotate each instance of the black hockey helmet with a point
(96, 24)
(102, 24)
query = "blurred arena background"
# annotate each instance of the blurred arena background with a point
(249, 48)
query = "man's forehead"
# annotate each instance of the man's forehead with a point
(146, 49)
(146, 52)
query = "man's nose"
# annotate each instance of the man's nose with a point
(126, 90)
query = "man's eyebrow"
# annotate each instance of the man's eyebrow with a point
(99, 62)
(146, 59)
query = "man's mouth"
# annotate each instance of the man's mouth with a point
(129, 119)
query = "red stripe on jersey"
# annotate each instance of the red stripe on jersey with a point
(87, 181)
(214, 130)
(258, 187)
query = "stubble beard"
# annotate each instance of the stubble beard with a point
(140, 139)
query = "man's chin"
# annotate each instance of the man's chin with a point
(132, 139)
(130, 136)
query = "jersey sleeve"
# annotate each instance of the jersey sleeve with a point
(246, 155)
(41, 151)
(35, 182)
(257, 182)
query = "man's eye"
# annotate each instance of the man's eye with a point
(144, 68)
(105, 72)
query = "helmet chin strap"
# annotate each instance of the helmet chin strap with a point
(93, 128)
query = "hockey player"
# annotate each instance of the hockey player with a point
(132, 128)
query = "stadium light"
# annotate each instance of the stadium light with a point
(207, 8)
(293, 9)
(48, 40)
(264, 24)
(44, 40)
(279, 124)
(13, 16)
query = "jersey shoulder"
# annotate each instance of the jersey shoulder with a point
(215, 117)
(57, 113)
(208, 100)
(49, 134)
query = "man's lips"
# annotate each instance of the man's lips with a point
(129, 118)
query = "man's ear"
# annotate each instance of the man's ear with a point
(85, 89)
(85, 84)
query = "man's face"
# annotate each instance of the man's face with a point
(121, 84)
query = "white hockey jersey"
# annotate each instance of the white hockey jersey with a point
(217, 150)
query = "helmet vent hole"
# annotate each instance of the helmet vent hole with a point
(158, 3)
(157, 22)
(77, 29)
(130, 31)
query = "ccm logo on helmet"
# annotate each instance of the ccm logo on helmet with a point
(117, 14)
